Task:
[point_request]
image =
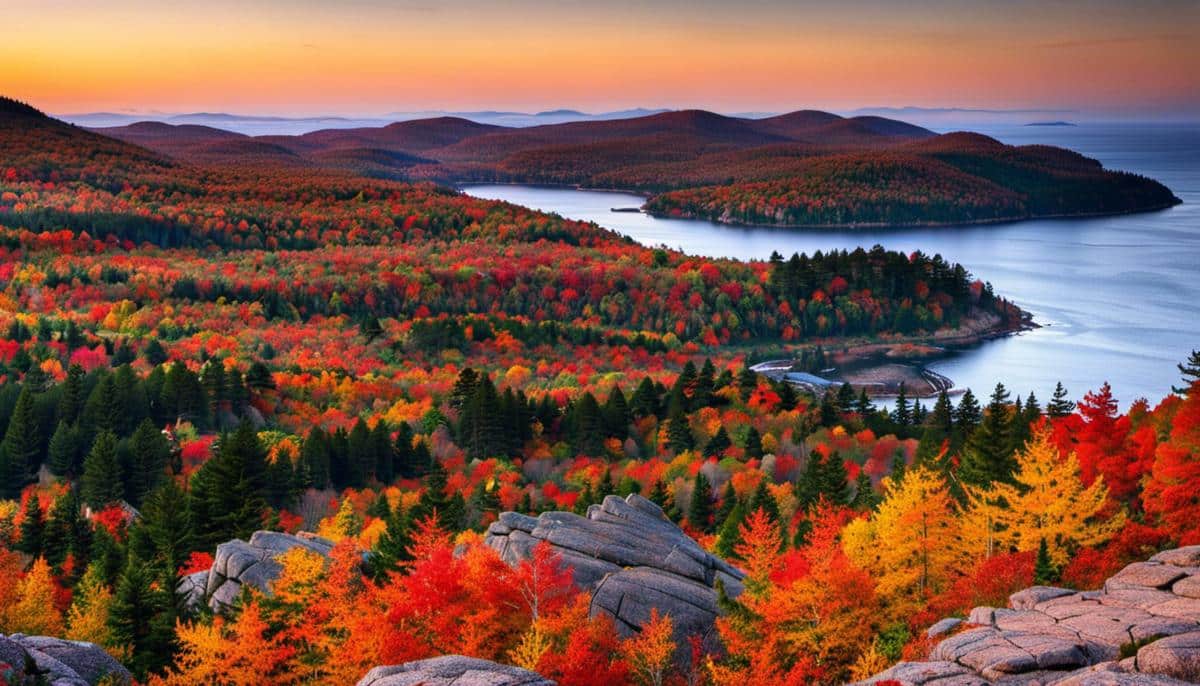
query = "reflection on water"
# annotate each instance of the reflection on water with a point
(1118, 298)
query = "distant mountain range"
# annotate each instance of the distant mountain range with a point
(807, 168)
(261, 125)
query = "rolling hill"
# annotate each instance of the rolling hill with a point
(802, 168)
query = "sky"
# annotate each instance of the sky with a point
(372, 57)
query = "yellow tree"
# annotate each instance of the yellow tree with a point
(909, 544)
(649, 653)
(34, 611)
(1048, 502)
(87, 620)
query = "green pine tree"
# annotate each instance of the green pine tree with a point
(102, 482)
(700, 510)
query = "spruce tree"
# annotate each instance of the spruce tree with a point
(679, 433)
(102, 482)
(729, 533)
(21, 450)
(142, 617)
(902, 415)
(989, 455)
(226, 498)
(71, 400)
(167, 523)
(865, 497)
(617, 415)
(1060, 404)
(967, 415)
(33, 526)
(753, 444)
(1044, 572)
(62, 451)
(700, 509)
(360, 460)
(705, 384)
(718, 444)
(1190, 373)
(392, 547)
(587, 426)
(747, 382)
(728, 501)
(150, 454)
(645, 399)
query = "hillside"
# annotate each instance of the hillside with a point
(805, 168)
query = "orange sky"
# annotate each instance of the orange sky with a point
(378, 56)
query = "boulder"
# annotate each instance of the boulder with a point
(238, 563)
(453, 670)
(631, 558)
(59, 662)
(1057, 636)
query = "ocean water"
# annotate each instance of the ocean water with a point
(1117, 299)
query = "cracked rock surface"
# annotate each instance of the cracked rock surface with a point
(237, 563)
(453, 670)
(631, 558)
(1143, 627)
(59, 662)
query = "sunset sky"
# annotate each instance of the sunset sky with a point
(362, 57)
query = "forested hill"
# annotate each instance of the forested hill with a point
(804, 168)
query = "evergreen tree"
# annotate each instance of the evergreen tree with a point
(392, 547)
(405, 457)
(226, 499)
(645, 399)
(679, 434)
(21, 450)
(728, 501)
(729, 533)
(989, 454)
(753, 444)
(1044, 572)
(617, 414)
(59, 535)
(32, 527)
(1190, 373)
(150, 454)
(865, 497)
(902, 415)
(700, 509)
(587, 426)
(718, 444)
(787, 396)
(685, 384)
(314, 457)
(705, 384)
(762, 499)
(154, 353)
(73, 396)
(863, 406)
(658, 495)
(968, 414)
(61, 454)
(1060, 404)
(167, 524)
(747, 381)
(384, 452)
(141, 617)
(102, 482)
(464, 387)
(360, 458)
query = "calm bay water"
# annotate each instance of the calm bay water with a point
(1117, 298)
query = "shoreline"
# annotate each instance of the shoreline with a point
(459, 186)
(880, 367)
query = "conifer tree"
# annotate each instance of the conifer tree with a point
(587, 426)
(1189, 372)
(747, 381)
(753, 444)
(141, 617)
(393, 545)
(70, 402)
(21, 450)
(617, 414)
(679, 433)
(902, 415)
(645, 399)
(705, 384)
(32, 527)
(102, 482)
(700, 509)
(718, 444)
(989, 454)
(227, 491)
(1044, 573)
(61, 453)
(150, 454)
(1060, 404)
(968, 414)
(865, 497)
